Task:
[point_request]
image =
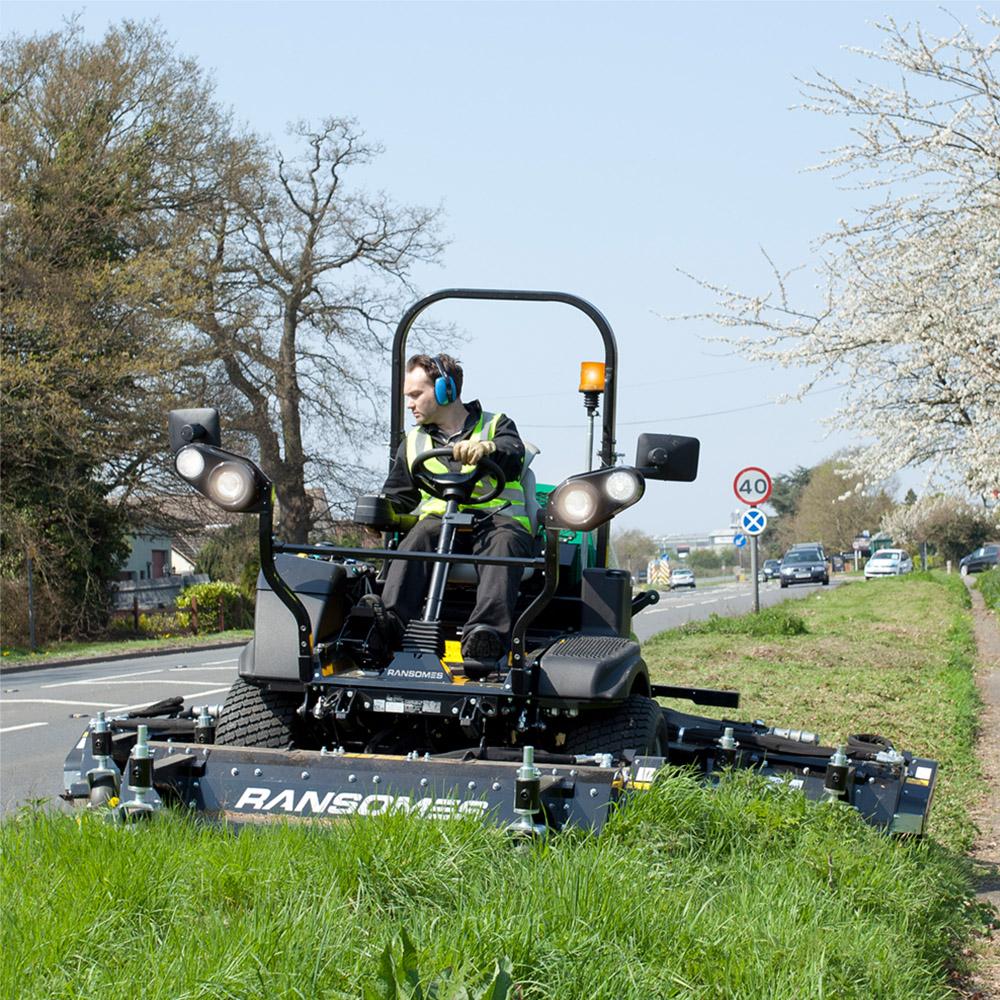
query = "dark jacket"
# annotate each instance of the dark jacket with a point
(405, 494)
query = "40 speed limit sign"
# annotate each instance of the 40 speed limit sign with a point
(752, 485)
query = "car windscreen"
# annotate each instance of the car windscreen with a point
(801, 557)
(893, 556)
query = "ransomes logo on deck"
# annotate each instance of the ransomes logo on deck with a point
(312, 803)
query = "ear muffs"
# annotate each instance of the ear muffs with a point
(444, 385)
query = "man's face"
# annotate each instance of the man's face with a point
(418, 391)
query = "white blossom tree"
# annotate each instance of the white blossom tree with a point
(910, 308)
(952, 525)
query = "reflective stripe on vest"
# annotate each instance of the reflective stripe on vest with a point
(511, 499)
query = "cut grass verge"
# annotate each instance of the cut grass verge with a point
(892, 656)
(16, 656)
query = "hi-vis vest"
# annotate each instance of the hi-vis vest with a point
(512, 499)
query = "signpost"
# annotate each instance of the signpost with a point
(752, 486)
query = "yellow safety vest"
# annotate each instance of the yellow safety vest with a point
(511, 499)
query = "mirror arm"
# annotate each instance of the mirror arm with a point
(282, 591)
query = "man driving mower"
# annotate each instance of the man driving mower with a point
(432, 389)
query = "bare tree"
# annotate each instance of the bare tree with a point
(911, 311)
(293, 304)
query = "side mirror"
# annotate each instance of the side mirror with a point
(195, 426)
(668, 457)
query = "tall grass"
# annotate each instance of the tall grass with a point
(744, 892)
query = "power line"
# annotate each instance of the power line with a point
(689, 416)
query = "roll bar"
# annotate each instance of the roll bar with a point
(607, 452)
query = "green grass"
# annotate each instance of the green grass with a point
(988, 585)
(58, 650)
(742, 892)
(891, 656)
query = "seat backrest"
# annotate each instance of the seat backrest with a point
(464, 572)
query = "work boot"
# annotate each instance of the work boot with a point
(390, 628)
(481, 648)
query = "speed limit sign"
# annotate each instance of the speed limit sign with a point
(752, 485)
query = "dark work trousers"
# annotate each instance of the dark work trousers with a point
(496, 594)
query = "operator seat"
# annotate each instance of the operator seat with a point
(466, 572)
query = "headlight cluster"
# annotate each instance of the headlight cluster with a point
(582, 502)
(232, 482)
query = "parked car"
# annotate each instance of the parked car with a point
(985, 557)
(771, 569)
(888, 562)
(682, 578)
(803, 566)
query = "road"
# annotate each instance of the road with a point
(43, 712)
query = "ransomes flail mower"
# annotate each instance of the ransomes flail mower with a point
(328, 719)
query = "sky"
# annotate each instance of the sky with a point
(604, 149)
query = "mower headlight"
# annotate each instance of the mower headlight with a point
(190, 463)
(232, 485)
(581, 503)
(228, 480)
(623, 486)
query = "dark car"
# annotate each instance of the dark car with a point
(771, 569)
(985, 557)
(803, 566)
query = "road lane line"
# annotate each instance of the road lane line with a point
(212, 663)
(186, 697)
(27, 725)
(99, 680)
(714, 600)
(54, 701)
(203, 666)
(166, 680)
(691, 605)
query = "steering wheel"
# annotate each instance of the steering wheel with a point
(457, 485)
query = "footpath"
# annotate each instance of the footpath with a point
(985, 984)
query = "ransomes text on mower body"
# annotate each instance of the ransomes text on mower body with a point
(329, 719)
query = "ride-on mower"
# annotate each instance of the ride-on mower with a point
(329, 718)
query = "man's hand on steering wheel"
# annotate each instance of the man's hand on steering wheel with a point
(472, 452)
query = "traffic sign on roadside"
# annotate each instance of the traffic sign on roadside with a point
(753, 521)
(739, 540)
(752, 485)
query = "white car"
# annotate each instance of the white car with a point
(682, 578)
(888, 562)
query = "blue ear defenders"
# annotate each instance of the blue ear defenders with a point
(444, 385)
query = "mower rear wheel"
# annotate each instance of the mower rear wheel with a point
(254, 717)
(637, 725)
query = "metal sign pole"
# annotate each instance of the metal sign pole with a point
(753, 573)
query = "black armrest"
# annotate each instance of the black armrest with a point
(378, 512)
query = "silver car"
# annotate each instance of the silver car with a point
(888, 562)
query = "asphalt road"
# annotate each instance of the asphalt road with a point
(44, 712)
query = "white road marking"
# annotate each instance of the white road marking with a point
(714, 600)
(54, 701)
(186, 697)
(27, 725)
(203, 666)
(100, 680)
(212, 663)
(691, 605)
(149, 680)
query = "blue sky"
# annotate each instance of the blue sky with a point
(594, 148)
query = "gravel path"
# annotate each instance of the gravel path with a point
(986, 982)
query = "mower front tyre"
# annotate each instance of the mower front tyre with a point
(255, 717)
(637, 725)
